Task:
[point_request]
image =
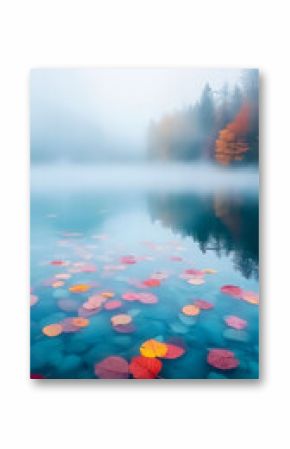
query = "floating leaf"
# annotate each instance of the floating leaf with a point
(194, 273)
(125, 328)
(68, 325)
(48, 282)
(94, 302)
(121, 319)
(147, 298)
(191, 310)
(58, 262)
(130, 296)
(36, 376)
(235, 322)
(209, 271)
(144, 367)
(33, 300)
(114, 304)
(173, 351)
(80, 321)
(107, 294)
(203, 305)
(232, 290)
(151, 282)
(57, 284)
(128, 260)
(63, 276)
(85, 313)
(196, 281)
(79, 288)
(153, 348)
(52, 330)
(88, 268)
(222, 359)
(112, 367)
(251, 297)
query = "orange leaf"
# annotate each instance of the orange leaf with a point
(121, 319)
(108, 294)
(79, 288)
(191, 310)
(80, 321)
(52, 330)
(250, 297)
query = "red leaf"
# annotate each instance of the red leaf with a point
(202, 304)
(194, 272)
(128, 260)
(176, 258)
(173, 351)
(232, 290)
(144, 367)
(147, 298)
(222, 359)
(236, 322)
(112, 367)
(36, 376)
(130, 296)
(151, 282)
(114, 304)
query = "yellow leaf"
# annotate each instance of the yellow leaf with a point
(153, 348)
(79, 288)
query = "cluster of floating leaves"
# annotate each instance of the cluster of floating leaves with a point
(144, 366)
(148, 364)
(239, 293)
(71, 324)
(196, 277)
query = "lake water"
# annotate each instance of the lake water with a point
(112, 240)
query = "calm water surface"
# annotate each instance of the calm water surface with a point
(166, 231)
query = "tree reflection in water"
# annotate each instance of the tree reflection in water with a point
(220, 222)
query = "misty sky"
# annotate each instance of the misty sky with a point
(109, 109)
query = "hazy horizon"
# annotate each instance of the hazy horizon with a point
(107, 111)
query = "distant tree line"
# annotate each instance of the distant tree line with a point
(223, 126)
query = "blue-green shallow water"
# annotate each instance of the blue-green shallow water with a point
(218, 231)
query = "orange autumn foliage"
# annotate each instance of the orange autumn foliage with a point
(231, 143)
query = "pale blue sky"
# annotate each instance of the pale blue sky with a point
(117, 103)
